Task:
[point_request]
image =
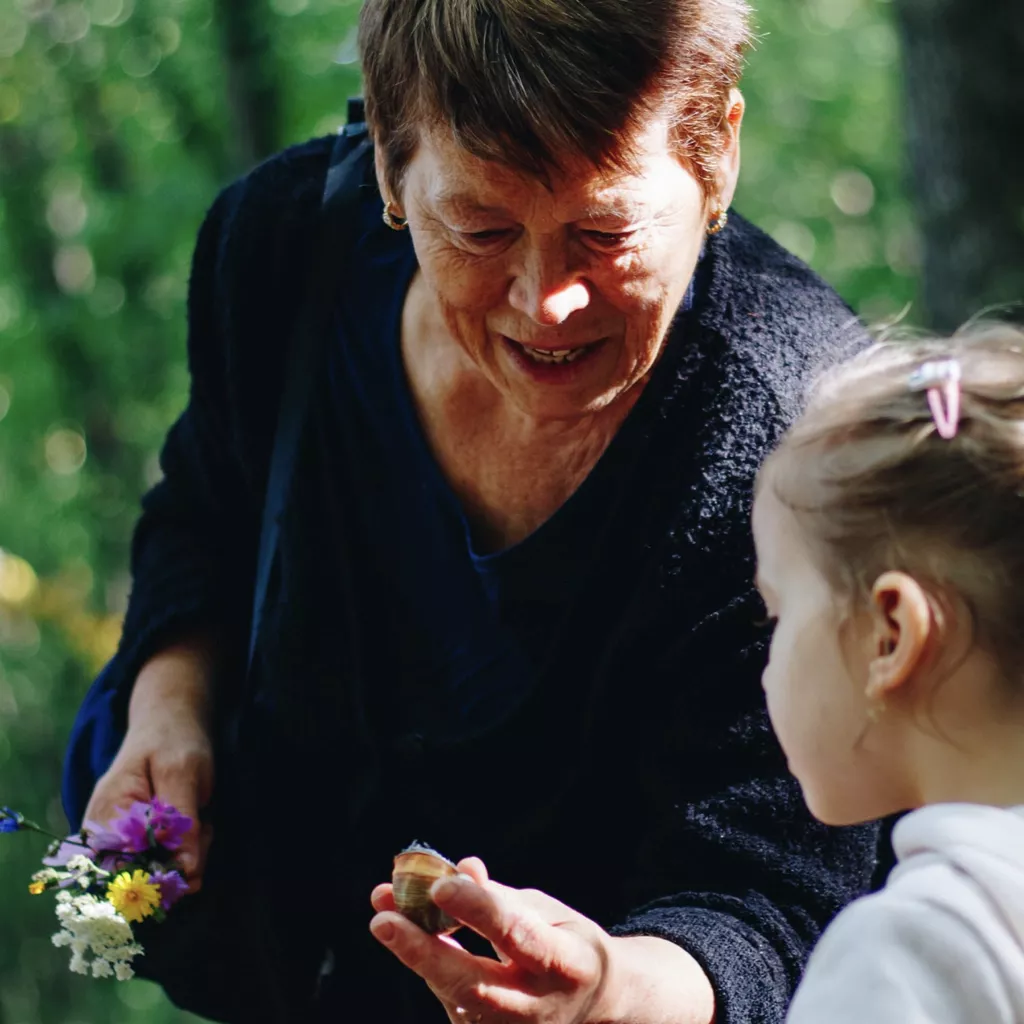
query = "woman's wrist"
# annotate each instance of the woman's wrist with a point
(652, 981)
(175, 681)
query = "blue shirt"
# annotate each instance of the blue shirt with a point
(454, 637)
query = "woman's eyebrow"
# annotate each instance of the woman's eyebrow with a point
(464, 202)
(615, 209)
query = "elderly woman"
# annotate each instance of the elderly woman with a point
(512, 610)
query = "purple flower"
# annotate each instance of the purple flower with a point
(172, 887)
(131, 829)
(145, 825)
(103, 839)
(169, 825)
(136, 830)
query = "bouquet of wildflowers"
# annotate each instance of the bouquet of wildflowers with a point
(107, 878)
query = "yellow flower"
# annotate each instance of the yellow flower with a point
(36, 888)
(133, 896)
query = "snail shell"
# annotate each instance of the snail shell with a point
(417, 867)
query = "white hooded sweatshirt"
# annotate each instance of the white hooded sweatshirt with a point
(943, 942)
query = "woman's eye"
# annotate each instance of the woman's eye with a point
(608, 241)
(767, 622)
(489, 239)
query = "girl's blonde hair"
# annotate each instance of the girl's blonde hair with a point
(876, 487)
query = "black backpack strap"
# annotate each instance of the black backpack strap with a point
(342, 185)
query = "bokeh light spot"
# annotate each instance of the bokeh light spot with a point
(835, 14)
(798, 238)
(903, 250)
(167, 34)
(18, 580)
(69, 23)
(107, 298)
(140, 57)
(105, 12)
(853, 192)
(65, 451)
(66, 212)
(348, 49)
(878, 44)
(10, 307)
(74, 269)
(120, 100)
(110, 12)
(13, 31)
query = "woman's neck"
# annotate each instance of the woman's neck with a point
(510, 470)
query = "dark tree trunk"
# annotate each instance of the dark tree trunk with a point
(254, 100)
(964, 70)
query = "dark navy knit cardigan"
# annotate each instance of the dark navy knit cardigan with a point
(641, 784)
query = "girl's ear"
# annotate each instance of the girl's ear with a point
(903, 625)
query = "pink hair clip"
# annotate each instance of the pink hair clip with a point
(941, 379)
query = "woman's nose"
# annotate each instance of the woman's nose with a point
(547, 290)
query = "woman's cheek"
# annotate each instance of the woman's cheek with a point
(470, 285)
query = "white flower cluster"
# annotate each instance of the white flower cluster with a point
(90, 924)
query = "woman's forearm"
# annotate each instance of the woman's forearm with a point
(176, 680)
(652, 981)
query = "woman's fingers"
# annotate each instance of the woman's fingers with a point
(455, 975)
(475, 868)
(510, 921)
(171, 759)
(185, 782)
(118, 788)
(382, 898)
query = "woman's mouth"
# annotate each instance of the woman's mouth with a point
(555, 356)
(548, 361)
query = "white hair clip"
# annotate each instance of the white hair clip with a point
(941, 379)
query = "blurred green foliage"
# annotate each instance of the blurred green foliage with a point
(119, 120)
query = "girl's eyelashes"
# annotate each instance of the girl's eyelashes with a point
(767, 622)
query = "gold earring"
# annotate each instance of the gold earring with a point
(875, 711)
(718, 221)
(392, 219)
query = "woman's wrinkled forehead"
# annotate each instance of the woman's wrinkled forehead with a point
(453, 180)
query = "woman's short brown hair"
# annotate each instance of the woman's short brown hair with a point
(531, 83)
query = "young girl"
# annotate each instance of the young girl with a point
(889, 527)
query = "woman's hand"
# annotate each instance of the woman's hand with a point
(167, 750)
(555, 966)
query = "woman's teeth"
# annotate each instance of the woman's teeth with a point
(555, 355)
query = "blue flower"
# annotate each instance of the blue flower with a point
(10, 821)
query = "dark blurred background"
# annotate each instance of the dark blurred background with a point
(882, 145)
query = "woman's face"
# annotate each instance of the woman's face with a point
(560, 296)
(816, 677)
